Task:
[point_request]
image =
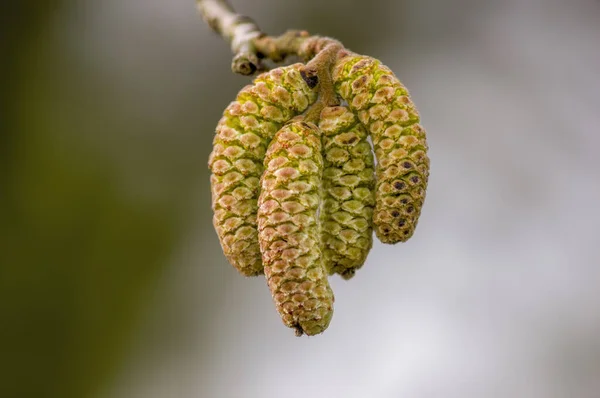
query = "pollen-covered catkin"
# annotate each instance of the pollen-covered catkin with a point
(243, 133)
(383, 105)
(289, 232)
(348, 189)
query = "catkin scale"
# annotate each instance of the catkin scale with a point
(383, 105)
(242, 135)
(289, 231)
(348, 190)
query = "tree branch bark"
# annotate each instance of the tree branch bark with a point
(239, 31)
(249, 44)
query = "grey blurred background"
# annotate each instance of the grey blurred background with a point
(113, 284)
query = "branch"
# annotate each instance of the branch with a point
(249, 44)
(237, 30)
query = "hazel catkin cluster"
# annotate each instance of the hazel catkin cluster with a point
(297, 196)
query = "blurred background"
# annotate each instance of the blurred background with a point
(112, 280)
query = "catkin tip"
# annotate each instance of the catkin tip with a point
(348, 274)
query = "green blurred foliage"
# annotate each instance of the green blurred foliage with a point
(81, 249)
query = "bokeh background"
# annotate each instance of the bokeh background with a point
(112, 281)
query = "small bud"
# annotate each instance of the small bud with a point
(349, 196)
(288, 227)
(383, 105)
(236, 162)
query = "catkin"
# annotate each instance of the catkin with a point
(243, 133)
(348, 189)
(289, 232)
(383, 105)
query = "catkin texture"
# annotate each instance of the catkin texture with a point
(289, 232)
(383, 105)
(348, 189)
(243, 133)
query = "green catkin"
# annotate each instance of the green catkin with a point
(383, 105)
(242, 135)
(289, 231)
(348, 190)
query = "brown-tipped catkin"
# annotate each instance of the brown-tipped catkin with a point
(348, 191)
(243, 133)
(383, 105)
(289, 232)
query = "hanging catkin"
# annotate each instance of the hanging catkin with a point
(348, 189)
(289, 232)
(236, 162)
(383, 105)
